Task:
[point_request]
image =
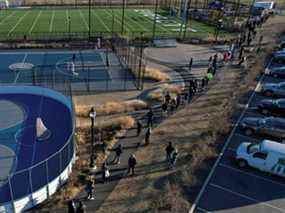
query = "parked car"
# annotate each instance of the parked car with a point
(273, 107)
(270, 126)
(268, 156)
(276, 72)
(271, 89)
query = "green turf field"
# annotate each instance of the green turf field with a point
(54, 23)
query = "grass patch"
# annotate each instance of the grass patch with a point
(158, 94)
(112, 107)
(156, 75)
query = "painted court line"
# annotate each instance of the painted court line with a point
(258, 202)
(51, 21)
(224, 148)
(35, 21)
(127, 26)
(252, 175)
(18, 73)
(19, 21)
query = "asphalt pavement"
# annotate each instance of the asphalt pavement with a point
(231, 189)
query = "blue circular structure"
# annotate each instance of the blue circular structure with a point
(36, 145)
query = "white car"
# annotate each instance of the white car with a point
(268, 156)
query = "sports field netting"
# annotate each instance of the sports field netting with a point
(57, 23)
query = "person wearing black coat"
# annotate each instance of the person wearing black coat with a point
(132, 162)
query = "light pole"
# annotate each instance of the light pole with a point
(92, 115)
(219, 25)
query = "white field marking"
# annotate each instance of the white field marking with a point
(51, 21)
(84, 20)
(35, 21)
(19, 21)
(224, 149)
(100, 20)
(146, 18)
(136, 23)
(127, 27)
(4, 19)
(18, 73)
(247, 197)
(252, 175)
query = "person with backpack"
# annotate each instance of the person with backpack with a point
(118, 153)
(132, 162)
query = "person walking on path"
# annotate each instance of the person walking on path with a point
(173, 158)
(164, 108)
(81, 208)
(132, 164)
(90, 189)
(105, 172)
(147, 136)
(167, 98)
(190, 64)
(139, 128)
(118, 153)
(149, 116)
(178, 100)
(71, 206)
(190, 94)
(169, 149)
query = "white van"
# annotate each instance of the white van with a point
(268, 156)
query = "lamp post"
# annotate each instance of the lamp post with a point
(219, 25)
(92, 115)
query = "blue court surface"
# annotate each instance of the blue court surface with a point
(74, 65)
(35, 135)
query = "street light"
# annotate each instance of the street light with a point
(219, 25)
(92, 115)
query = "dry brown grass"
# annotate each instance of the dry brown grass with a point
(156, 74)
(158, 94)
(112, 107)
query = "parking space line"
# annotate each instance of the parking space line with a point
(224, 148)
(203, 210)
(247, 197)
(252, 175)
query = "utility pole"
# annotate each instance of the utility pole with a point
(187, 18)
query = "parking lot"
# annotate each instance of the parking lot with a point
(231, 189)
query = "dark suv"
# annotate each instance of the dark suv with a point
(270, 126)
(274, 107)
